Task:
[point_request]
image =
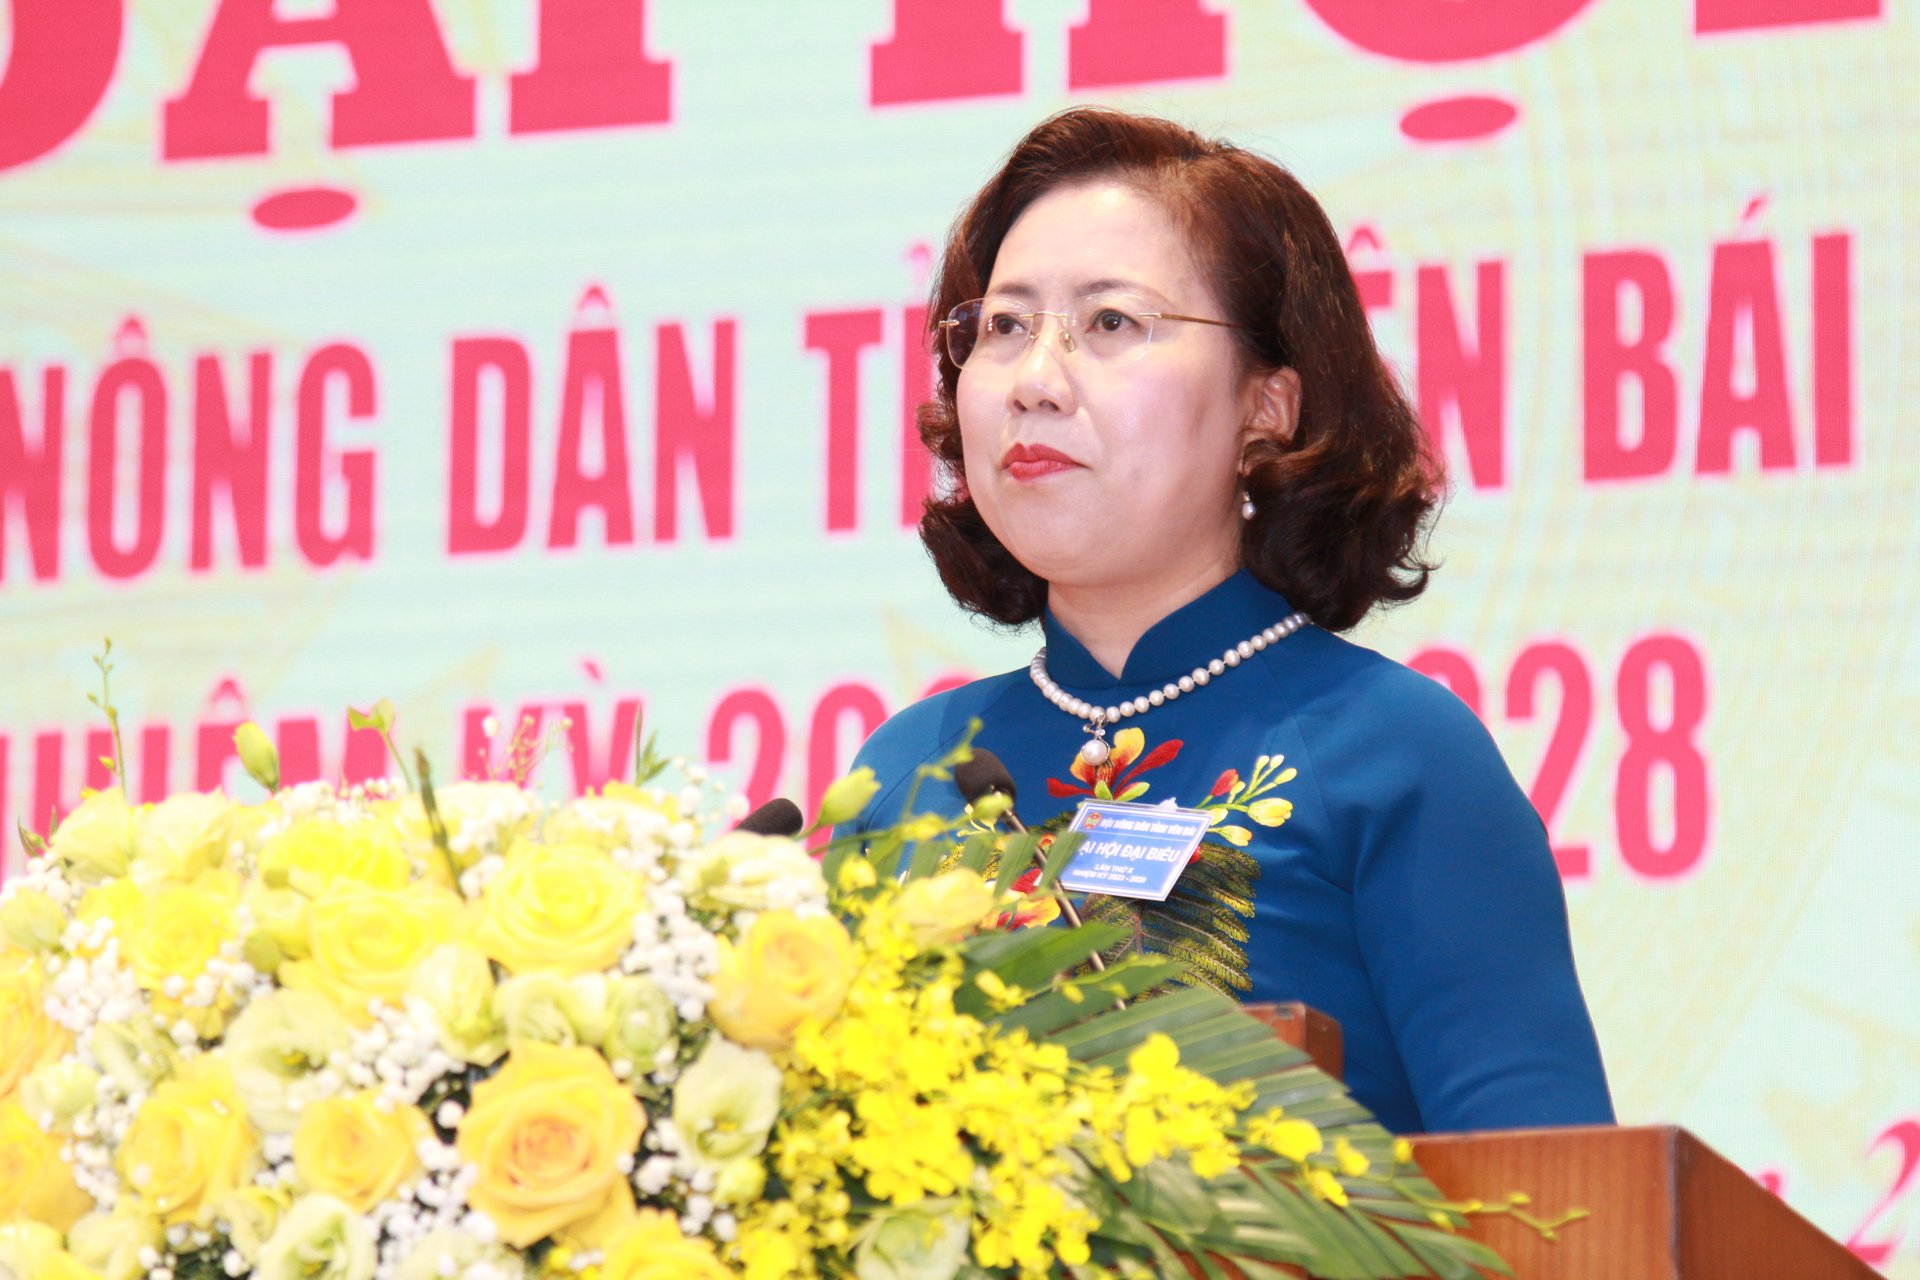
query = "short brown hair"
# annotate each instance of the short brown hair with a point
(1341, 507)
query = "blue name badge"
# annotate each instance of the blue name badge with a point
(1132, 850)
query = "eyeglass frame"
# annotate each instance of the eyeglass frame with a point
(1066, 330)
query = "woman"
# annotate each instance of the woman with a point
(1174, 444)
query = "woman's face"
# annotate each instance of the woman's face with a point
(1097, 474)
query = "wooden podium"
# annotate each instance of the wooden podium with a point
(1661, 1204)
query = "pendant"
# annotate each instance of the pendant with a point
(1095, 751)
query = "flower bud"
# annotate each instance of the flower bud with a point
(847, 797)
(257, 755)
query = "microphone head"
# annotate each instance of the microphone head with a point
(983, 775)
(777, 817)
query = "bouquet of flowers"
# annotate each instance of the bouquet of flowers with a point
(395, 1031)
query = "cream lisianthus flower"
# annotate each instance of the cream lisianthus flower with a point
(456, 985)
(276, 1046)
(30, 921)
(60, 1091)
(31, 1251)
(319, 1238)
(135, 1054)
(178, 839)
(251, 1214)
(926, 1241)
(110, 1243)
(451, 1252)
(725, 1103)
(281, 920)
(553, 1009)
(742, 871)
(95, 841)
(640, 1024)
(622, 814)
(558, 909)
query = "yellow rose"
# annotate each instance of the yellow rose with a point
(652, 1248)
(117, 901)
(190, 1144)
(940, 910)
(29, 1039)
(311, 855)
(366, 943)
(545, 1133)
(347, 1147)
(786, 970)
(95, 841)
(182, 927)
(35, 1182)
(559, 909)
(33, 1252)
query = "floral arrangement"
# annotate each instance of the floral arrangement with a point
(415, 1033)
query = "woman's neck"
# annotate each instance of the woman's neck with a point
(1109, 619)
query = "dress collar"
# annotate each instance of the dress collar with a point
(1197, 631)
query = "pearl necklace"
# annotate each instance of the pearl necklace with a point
(1096, 750)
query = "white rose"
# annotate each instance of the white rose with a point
(725, 1104)
(319, 1238)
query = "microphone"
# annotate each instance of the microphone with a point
(777, 817)
(985, 775)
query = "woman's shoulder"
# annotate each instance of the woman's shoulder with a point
(921, 732)
(1349, 685)
(927, 727)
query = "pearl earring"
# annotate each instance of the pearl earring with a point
(1246, 505)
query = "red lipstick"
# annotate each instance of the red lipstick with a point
(1032, 461)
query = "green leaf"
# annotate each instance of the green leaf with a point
(1018, 855)
(1059, 857)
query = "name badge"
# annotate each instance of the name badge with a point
(1132, 850)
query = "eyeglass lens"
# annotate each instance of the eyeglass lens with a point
(1104, 328)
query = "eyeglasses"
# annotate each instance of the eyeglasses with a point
(1109, 328)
